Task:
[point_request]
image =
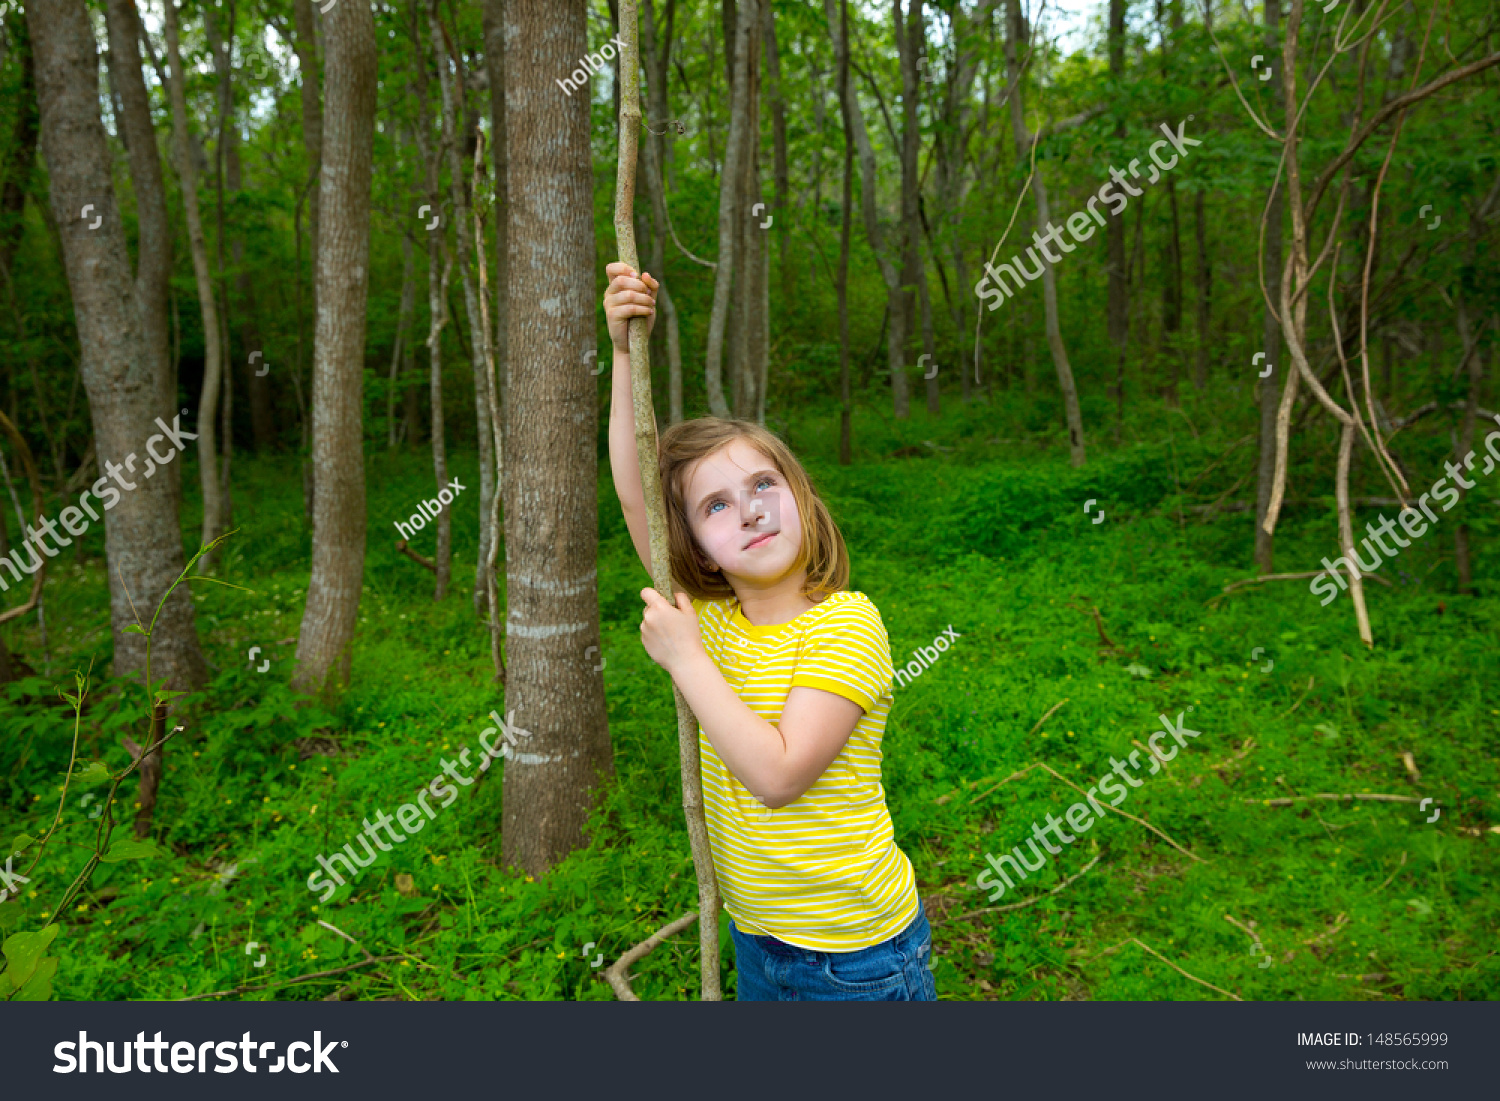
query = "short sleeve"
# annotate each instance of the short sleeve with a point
(848, 653)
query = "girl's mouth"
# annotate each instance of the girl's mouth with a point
(761, 541)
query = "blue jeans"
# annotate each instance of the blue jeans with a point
(896, 970)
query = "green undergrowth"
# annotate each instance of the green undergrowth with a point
(951, 523)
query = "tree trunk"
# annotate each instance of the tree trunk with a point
(338, 553)
(1205, 291)
(730, 216)
(1118, 308)
(911, 42)
(403, 322)
(1268, 388)
(494, 56)
(120, 374)
(154, 231)
(656, 59)
(256, 372)
(305, 43)
(891, 326)
(208, 402)
(438, 268)
(778, 139)
(1023, 138)
(846, 425)
(479, 339)
(550, 499)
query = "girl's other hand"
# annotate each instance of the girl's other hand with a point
(669, 633)
(629, 294)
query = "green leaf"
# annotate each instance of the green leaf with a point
(38, 988)
(10, 914)
(95, 772)
(128, 848)
(1136, 669)
(23, 950)
(5, 984)
(135, 629)
(22, 840)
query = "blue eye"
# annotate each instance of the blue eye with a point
(714, 506)
(764, 482)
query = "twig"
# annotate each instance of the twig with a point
(414, 556)
(1300, 698)
(1002, 783)
(1123, 814)
(1169, 963)
(615, 974)
(1032, 901)
(1051, 711)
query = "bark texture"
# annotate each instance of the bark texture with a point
(551, 509)
(338, 553)
(142, 537)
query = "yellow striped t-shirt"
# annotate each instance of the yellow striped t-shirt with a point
(823, 872)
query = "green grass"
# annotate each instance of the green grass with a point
(990, 537)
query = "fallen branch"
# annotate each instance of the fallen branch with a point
(615, 974)
(1287, 801)
(1032, 901)
(414, 556)
(1169, 963)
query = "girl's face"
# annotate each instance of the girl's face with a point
(743, 515)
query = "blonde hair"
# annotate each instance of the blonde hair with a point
(823, 553)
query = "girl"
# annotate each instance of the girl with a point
(790, 677)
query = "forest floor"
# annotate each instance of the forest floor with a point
(1209, 890)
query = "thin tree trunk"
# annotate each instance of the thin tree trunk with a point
(403, 321)
(120, 373)
(338, 554)
(911, 41)
(1205, 291)
(730, 215)
(1023, 139)
(656, 59)
(551, 414)
(1269, 388)
(892, 326)
(438, 268)
(494, 56)
(644, 419)
(306, 46)
(1118, 308)
(226, 148)
(479, 339)
(846, 425)
(778, 139)
(208, 403)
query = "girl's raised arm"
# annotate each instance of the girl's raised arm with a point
(628, 295)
